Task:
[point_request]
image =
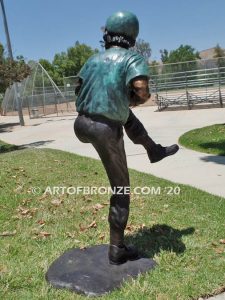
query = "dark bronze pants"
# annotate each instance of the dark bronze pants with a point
(107, 138)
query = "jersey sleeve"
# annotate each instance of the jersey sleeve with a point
(136, 66)
(83, 71)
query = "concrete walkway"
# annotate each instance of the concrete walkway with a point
(218, 297)
(206, 172)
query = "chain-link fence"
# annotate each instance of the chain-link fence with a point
(70, 83)
(39, 96)
(187, 84)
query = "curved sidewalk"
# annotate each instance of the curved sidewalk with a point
(204, 171)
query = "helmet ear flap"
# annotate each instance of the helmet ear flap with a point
(107, 37)
(132, 43)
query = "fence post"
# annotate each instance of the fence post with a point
(220, 94)
(158, 101)
(187, 94)
(188, 100)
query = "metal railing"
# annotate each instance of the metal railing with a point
(199, 82)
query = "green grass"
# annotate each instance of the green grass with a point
(181, 232)
(4, 147)
(210, 139)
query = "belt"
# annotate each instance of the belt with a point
(101, 119)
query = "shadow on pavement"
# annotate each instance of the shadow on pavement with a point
(59, 120)
(215, 159)
(151, 241)
(7, 127)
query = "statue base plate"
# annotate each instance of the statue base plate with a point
(88, 271)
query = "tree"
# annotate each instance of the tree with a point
(79, 54)
(50, 69)
(143, 48)
(185, 53)
(182, 54)
(46, 64)
(219, 52)
(68, 63)
(220, 55)
(164, 56)
(11, 71)
(154, 68)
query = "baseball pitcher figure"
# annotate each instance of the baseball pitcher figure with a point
(109, 83)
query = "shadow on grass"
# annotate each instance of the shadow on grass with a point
(218, 146)
(35, 144)
(7, 127)
(8, 147)
(151, 241)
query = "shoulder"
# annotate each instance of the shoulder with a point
(91, 61)
(93, 58)
(136, 66)
(134, 56)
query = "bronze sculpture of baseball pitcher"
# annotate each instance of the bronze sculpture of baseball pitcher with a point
(109, 84)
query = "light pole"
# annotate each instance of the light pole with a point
(18, 102)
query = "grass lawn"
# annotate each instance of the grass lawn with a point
(210, 139)
(4, 147)
(184, 233)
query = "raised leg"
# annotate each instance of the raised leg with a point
(138, 134)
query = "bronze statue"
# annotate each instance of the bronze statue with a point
(110, 83)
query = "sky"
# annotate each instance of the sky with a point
(42, 28)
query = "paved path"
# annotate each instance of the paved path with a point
(218, 297)
(206, 172)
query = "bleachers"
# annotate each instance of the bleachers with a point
(203, 86)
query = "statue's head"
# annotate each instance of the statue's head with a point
(121, 30)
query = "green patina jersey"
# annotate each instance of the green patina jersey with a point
(105, 83)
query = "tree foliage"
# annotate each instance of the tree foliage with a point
(220, 55)
(11, 71)
(68, 63)
(143, 48)
(154, 67)
(182, 56)
(219, 52)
